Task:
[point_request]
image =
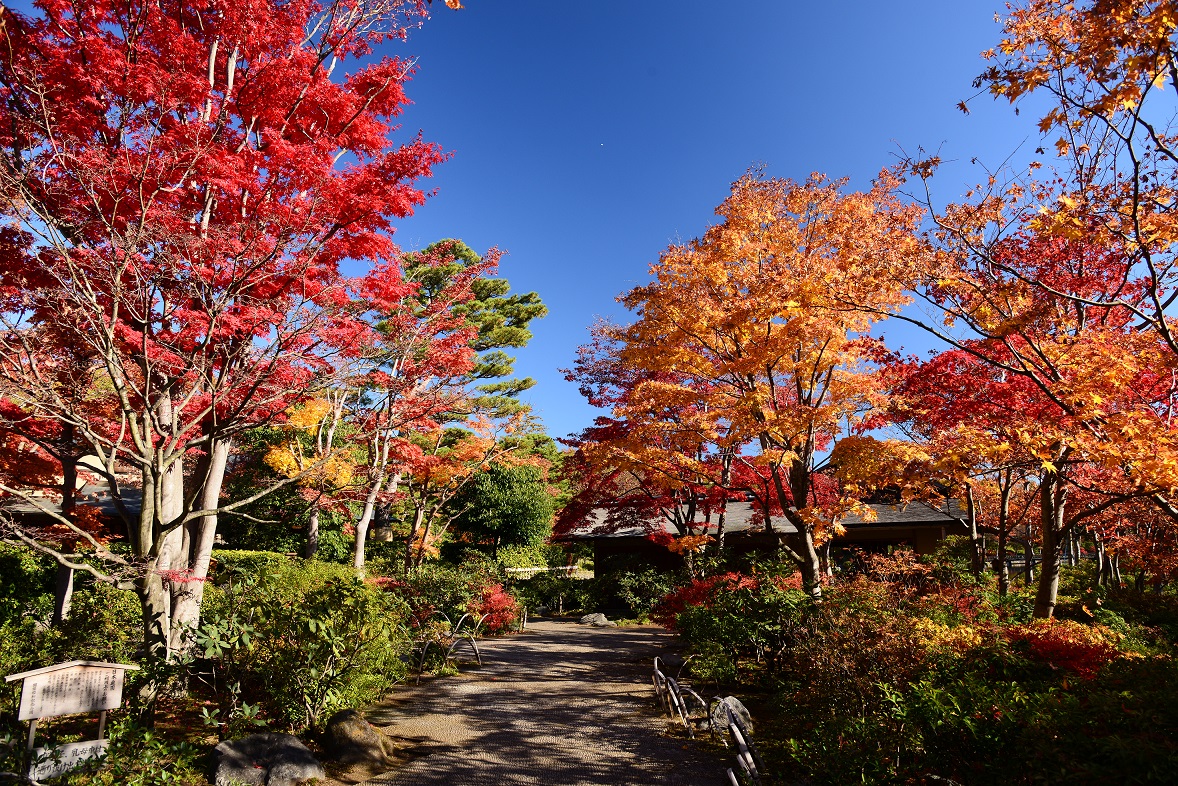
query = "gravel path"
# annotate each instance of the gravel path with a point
(561, 705)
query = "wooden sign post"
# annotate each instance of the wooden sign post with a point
(68, 689)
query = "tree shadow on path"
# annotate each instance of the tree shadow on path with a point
(561, 705)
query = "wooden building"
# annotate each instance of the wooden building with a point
(917, 525)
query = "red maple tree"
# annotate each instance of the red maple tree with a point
(183, 182)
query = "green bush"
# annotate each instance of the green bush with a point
(531, 556)
(924, 678)
(26, 583)
(731, 617)
(104, 624)
(292, 642)
(640, 590)
(140, 757)
(226, 562)
(437, 587)
(558, 592)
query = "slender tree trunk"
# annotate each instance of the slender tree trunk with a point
(977, 557)
(155, 603)
(312, 547)
(1028, 559)
(64, 594)
(411, 541)
(721, 519)
(1052, 497)
(202, 536)
(64, 590)
(365, 519)
(1104, 572)
(810, 567)
(382, 461)
(801, 544)
(154, 599)
(720, 529)
(69, 474)
(1048, 588)
(1001, 566)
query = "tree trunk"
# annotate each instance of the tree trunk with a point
(312, 547)
(370, 507)
(156, 604)
(1052, 497)
(202, 536)
(720, 520)
(810, 567)
(801, 545)
(1028, 559)
(64, 593)
(69, 480)
(1048, 588)
(411, 540)
(1101, 564)
(977, 558)
(1000, 565)
(172, 564)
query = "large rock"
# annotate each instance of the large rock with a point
(353, 740)
(720, 717)
(598, 621)
(672, 661)
(264, 760)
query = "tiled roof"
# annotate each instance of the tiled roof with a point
(739, 519)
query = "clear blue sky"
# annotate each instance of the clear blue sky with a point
(587, 136)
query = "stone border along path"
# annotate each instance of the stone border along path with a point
(560, 705)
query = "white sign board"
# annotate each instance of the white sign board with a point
(70, 688)
(51, 762)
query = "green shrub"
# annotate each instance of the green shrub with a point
(951, 562)
(139, 757)
(26, 583)
(437, 587)
(640, 590)
(298, 640)
(531, 556)
(228, 561)
(558, 592)
(104, 624)
(907, 682)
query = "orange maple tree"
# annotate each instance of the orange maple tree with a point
(748, 323)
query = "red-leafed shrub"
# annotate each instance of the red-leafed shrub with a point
(498, 604)
(700, 592)
(1072, 646)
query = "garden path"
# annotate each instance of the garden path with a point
(561, 705)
